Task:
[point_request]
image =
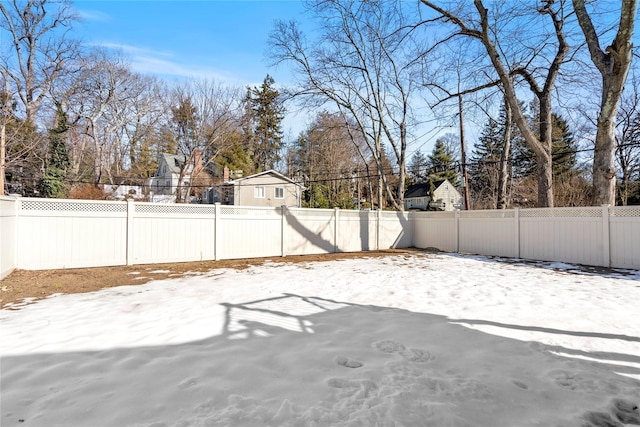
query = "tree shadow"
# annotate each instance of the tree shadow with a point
(560, 267)
(606, 359)
(298, 360)
(364, 231)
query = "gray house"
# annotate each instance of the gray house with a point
(445, 197)
(165, 181)
(268, 188)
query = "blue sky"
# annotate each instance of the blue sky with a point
(223, 40)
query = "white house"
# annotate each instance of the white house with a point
(268, 188)
(445, 197)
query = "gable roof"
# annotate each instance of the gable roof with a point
(267, 172)
(422, 189)
(173, 161)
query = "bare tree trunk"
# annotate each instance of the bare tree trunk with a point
(2, 154)
(504, 159)
(463, 154)
(613, 64)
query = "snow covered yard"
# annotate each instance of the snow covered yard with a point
(410, 340)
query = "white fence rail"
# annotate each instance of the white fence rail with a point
(51, 233)
(40, 234)
(599, 236)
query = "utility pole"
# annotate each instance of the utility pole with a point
(463, 154)
(6, 102)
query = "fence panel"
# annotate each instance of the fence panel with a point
(357, 231)
(563, 234)
(172, 233)
(435, 230)
(488, 232)
(624, 231)
(248, 232)
(309, 231)
(8, 225)
(48, 233)
(55, 233)
(395, 230)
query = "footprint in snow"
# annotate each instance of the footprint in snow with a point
(411, 354)
(348, 363)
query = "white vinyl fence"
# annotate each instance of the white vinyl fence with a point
(40, 234)
(52, 233)
(598, 236)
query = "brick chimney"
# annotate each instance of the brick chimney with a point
(225, 175)
(197, 161)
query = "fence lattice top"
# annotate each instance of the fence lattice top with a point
(69, 206)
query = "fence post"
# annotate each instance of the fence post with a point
(130, 247)
(216, 232)
(16, 230)
(516, 221)
(283, 226)
(378, 220)
(336, 218)
(606, 239)
(457, 216)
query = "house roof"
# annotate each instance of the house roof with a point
(268, 172)
(173, 161)
(422, 189)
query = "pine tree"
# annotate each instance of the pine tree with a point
(564, 148)
(264, 124)
(417, 169)
(563, 152)
(234, 156)
(53, 182)
(485, 165)
(442, 164)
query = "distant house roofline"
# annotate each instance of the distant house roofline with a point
(270, 171)
(423, 189)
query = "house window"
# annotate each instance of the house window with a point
(279, 193)
(258, 192)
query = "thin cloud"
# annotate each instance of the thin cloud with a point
(93, 15)
(162, 63)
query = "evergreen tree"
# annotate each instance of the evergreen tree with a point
(53, 182)
(484, 169)
(234, 156)
(564, 148)
(563, 152)
(264, 124)
(570, 187)
(441, 164)
(417, 169)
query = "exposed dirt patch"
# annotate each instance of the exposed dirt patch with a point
(23, 284)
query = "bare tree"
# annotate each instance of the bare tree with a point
(512, 64)
(505, 155)
(96, 99)
(361, 66)
(628, 142)
(40, 49)
(613, 63)
(205, 116)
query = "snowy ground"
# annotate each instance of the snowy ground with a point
(410, 340)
